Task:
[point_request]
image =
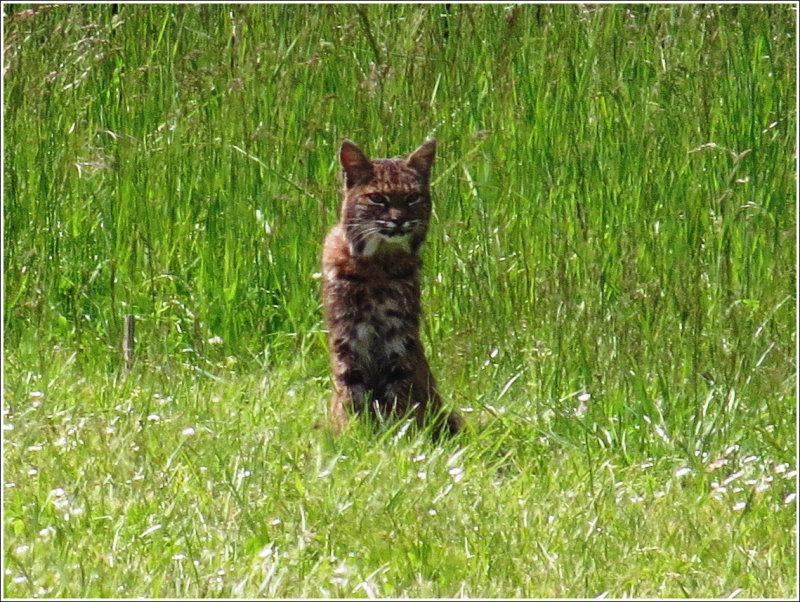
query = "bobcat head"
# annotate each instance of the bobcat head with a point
(387, 202)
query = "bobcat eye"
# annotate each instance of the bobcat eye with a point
(376, 198)
(413, 198)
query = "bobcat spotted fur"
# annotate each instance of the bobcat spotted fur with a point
(371, 292)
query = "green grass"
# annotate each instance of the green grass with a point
(609, 294)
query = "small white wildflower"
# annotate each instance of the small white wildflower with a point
(661, 433)
(733, 477)
(178, 556)
(789, 498)
(584, 397)
(189, 431)
(457, 473)
(58, 492)
(266, 551)
(275, 521)
(23, 549)
(36, 394)
(150, 529)
(153, 417)
(432, 512)
(215, 340)
(683, 470)
(740, 505)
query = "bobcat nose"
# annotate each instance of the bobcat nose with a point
(396, 217)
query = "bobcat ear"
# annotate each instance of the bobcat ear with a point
(422, 158)
(357, 167)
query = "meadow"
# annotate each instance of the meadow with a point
(609, 297)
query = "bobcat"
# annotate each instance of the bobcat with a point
(371, 292)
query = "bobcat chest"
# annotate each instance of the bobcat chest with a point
(384, 321)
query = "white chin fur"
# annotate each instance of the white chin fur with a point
(379, 241)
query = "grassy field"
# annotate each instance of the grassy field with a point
(609, 293)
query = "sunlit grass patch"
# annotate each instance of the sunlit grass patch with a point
(609, 297)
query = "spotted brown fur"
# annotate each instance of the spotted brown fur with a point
(371, 292)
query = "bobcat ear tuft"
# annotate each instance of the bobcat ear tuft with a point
(422, 159)
(356, 165)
